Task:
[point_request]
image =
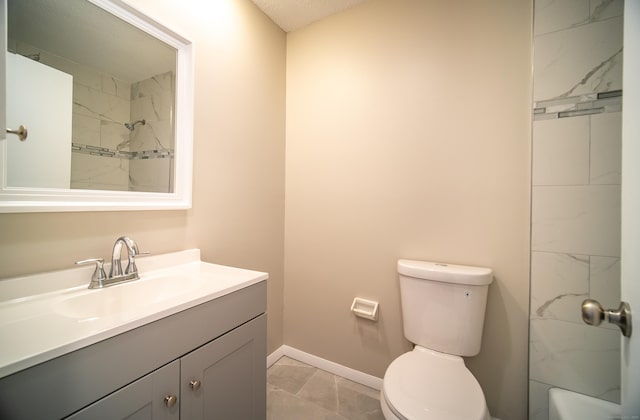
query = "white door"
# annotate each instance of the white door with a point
(630, 257)
(40, 98)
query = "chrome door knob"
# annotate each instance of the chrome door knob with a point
(594, 314)
(170, 400)
(21, 132)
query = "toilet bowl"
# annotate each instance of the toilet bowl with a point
(427, 385)
(443, 307)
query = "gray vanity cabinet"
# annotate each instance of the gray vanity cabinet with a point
(224, 379)
(220, 343)
(142, 400)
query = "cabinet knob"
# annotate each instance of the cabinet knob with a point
(195, 384)
(170, 400)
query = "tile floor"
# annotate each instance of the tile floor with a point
(296, 391)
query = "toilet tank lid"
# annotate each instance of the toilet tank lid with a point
(448, 273)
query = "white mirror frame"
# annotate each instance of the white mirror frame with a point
(27, 200)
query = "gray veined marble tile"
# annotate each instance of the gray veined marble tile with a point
(561, 151)
(569, 102)
(114, 135)
(116, 87)
(100, 172)
(576, 219)
(605, 9)
(559, 284)
(580, 358)
(153, 98)
(580, 60)
(604, 283)
(152, 86)
(538, 401)
(150, 174)
(606, 148)
(86, 130)
(554, 15)
(154, 135)
(94, 103)
(153, 107)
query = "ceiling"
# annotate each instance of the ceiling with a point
(84, 33)
(291, 15)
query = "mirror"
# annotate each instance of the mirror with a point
(106, 95)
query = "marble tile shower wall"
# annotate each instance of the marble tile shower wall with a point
(101, 105)
(136, 160)
(107, 156)
(152, 100)
(575, 238)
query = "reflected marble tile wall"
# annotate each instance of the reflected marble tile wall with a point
(152, 100)
(91, 172)
(575, 238)
(102, 104)
(145, 153)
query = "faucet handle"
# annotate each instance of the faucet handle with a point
(132, 268)
(98, 274)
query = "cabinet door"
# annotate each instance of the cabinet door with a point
(231, 371)
(143, 399)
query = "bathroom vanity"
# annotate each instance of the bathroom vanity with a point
(186, 341)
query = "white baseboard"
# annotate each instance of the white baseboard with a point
(275, 356)
(326, 365)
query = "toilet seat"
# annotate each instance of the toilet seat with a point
(427, 385)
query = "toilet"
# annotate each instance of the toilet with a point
(443, 308)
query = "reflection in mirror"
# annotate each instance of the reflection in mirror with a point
(97, 95)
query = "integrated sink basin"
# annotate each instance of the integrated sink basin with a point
(46, 315)
(127, 298)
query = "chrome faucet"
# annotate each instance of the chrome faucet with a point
(99, 279)
(131, 272)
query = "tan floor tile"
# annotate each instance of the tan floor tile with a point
(290, 377)
(322, 390)
(282, 405)
(297, 391)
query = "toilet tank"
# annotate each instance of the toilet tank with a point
(443, 305)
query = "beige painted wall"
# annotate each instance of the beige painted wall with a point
(408, 136)
(238, 197)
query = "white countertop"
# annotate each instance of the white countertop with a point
(46, 315)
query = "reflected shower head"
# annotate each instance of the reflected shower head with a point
(130, 126)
